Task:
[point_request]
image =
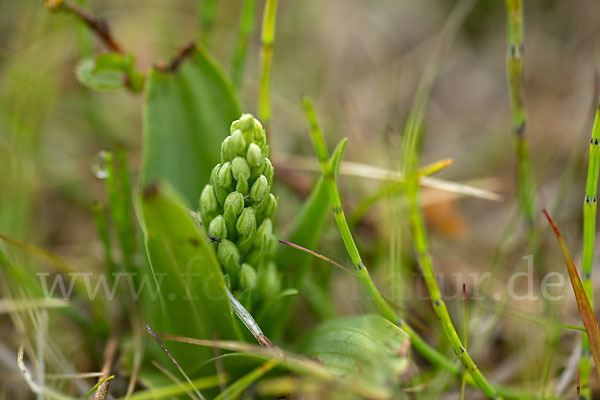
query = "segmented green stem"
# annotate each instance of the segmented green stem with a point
(241, 46)
(514, 63)
(439, 306)
(208, 12)
(363, 273)
(267, 37)
(589, 240)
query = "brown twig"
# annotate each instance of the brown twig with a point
(96, 24)
(109, 357)
(184, 53)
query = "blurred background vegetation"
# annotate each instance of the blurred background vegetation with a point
(361, 61)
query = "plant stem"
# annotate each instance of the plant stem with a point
(589, 240)
(98, 25)
(208, 11)
(365, 278)
(241, 46)
(514, 63)
(267, 38)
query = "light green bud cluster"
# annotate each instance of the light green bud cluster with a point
(237, 207)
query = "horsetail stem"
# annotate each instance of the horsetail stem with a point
(589, 240)
(208, 13)
(267, 38)
(365, 278)
(514, 67)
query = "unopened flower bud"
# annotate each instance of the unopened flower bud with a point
(247, 277)
(235, 202)
(246, 222)
(225, 149)
(218, 228)
(237, 144)
(271, 206)
(224, 176)
(229, 257)
(263, 233)
(208, 201)
(240, 168)
(245, 122)
(260, 189)
(254, 155)
(269, 171)
(242, 186)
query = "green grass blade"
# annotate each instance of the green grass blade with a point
(583, 303)
(514, 60)
(121, 207)
(241, 46)
(235, 389)
(176, 389)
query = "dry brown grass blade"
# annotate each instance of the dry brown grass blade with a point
(583, 304)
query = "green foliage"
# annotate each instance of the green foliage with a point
(187, 112)
(110, 71)
(191, 298)
(366, 348)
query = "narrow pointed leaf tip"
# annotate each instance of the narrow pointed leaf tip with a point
(583, 304)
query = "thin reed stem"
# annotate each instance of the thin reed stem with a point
(590, 205)
(514, 63)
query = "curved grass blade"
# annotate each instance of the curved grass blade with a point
(235, 389)
(583, 304)
(176, 389)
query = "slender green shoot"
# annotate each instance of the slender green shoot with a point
(464, 299)
(97, 385)
(208, 13)
(363, 273)
(514, 62)
(102, 228)
(590, 205)
(241, 45)
(267, 38)
(119, 194)
(236, 388)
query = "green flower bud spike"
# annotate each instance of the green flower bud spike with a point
(237, 208)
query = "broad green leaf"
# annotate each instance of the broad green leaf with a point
(192, 299)
(187, 113)
(306, 232)
(367, 348)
